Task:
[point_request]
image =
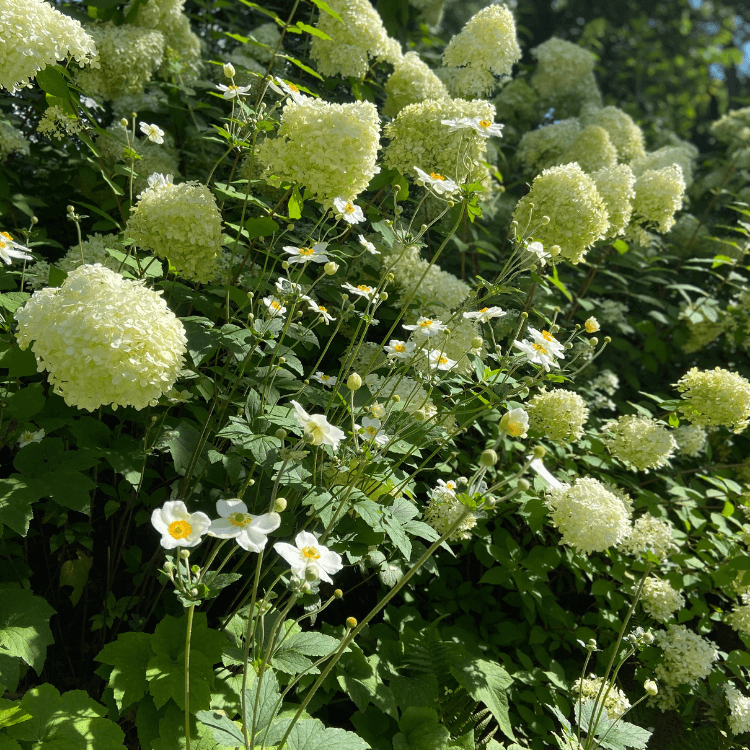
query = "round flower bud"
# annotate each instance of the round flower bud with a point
(713, 398)
(351, 622)
(168, 567)
(330, 268)
(229, 70)
(354, 382)
(103, 339)
(338, 594)
(279, 505)
(193, 592)
(650, 687)
(559, 414)
(488, 458)
(591, 645)
(477, 342)
(124, 122)
(593, 341)
(184, 554)
(523, 485)
(419, 415)
(285, 265)
(539, 451)
(280, 433)
(312, 572)
(384, 296)
(640, 442)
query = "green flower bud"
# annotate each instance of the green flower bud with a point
(539, 451)
(338, 593)
(488, 458)
(354, 382)
(351, 622)
(279, 505)
(280, 433)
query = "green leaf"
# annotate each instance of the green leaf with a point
(312, 735)
(129, 656)
(11, 713)
(261, 227)
(16, 499)
(420, 730)
(623, 735)
(13, 300)
(19, 362)
(166, 679)
(295, 203)
(312, 30)
(24, 626)
(266, 692)
(50, 80)
(23, 404)
(621, 246)
(556, 282)
(56, 276)
(326, 9)
(75, 573)
(224, 731)
(169, 638)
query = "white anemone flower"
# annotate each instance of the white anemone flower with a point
(30, 437)
(249, 531)
(177, 527)
(485, 314)
(537, 353)
(445, 488)
(320, 310)
(274, 305)
(538, 249)
(546, 339)
(368, 245)
(10, 249)
(158, 180)
(400, 349)
(349, 212)
(437, 182)
(153, 132)
(439, 361)
(314, 254)
(317, 429)
(288, 288)
(328, 380)
(287, 89)
(485, 128)
(537, 465)
(308, 552)
(231, 91)
(370, 430)
(515, 422)
(427, 327)
(362, 290)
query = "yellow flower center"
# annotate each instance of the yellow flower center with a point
(275, 305)
(325, 377)
(399, 348)
(27, 436)
(306, 251)
(232, 88)
(539, 348)
(239, 519)
(364, 288)
(450, 485)
(322, 309)
(515, 429)
(293, 88)
(485, 123)
(425, 323)
(443, 360)
(484, 309)
(310, 553)
(179, 529)
(349, 208)
(436, 176)
(547, 336)
(7, 236)
(591, 327)
(371, 431)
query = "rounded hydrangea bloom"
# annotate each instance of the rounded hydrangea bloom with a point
(559, 414)
(104, 339)
(359, 35)
(739, 617)
(419, 139)
(683, 156)
(329, 148)
(658, 196)
(714, 398)
(592, 149)
(687, 657)
(578, 216)
(128, 56)
(625, 135)
(444, 509)
(182, 223)
(649, 534)
(561, 66)
(590, 517)
(35, 35)
(11, 140)
(616, 703)
(691, 439)
(543, 147)
(486, 43)
(733, 127)
(659, 599)
(640, 442)
(412, 81)
(615, 185)
(739, 710)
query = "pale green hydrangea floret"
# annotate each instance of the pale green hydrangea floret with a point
(715, 398)
(412, 81)
(625, 135)
(739, 617)
(659, 599)
(331, 149)
(739, 710)
(128, 56)
(616, 702)
(591, 149)
(517, 100)
(419, 139)
(640, 442)
(649, 534)
(590, 516)
(561, 66)
(687, 658)
(559, 414)
(35, 35)
(443, 510)
(359, 36)
(658, 196)
(615, 185)
(182, 223)
(576, 211)
(733, 128)
(682, 156)
(103, 339)
(691, 439)
(543, 147)
(12, 140)
(486, 45)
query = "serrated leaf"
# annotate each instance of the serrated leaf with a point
(312, 735)
(266, 693)
(166, 679)
(224, 731)
(129, 656)
(24, 626)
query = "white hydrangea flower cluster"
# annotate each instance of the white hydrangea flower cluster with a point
(615, 185)
(691, 439)
(444, 509)
(667, 156)
(543, 147)
(358, 36)
(658, 196)
(128, 56)
(518, 101)
(485, 46)
(561, 65)
(624, 134)
(331, 149)
(559, 414)
(412, 81)
(739, 710)
(12, 140)
(616, 703)
(592, 149)
(590, 516)
(733, 128)
(603, 386)
(182, 223)
(715, 398)
(104, 339)
(578, 216)
(418, 138)
(36, 35)
(659, 599)
(649, 534)
(57, 123)
(739, 617)
(640, 442)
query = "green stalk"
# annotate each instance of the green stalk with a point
(187, 675)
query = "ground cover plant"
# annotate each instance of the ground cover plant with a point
(371, 378)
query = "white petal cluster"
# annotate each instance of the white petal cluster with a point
(691, 439)
(714, 398)
(419, 138)
(592, 149)
(659, 599)
(658, 196)
(640, 442)
(559, 414)
(182, 223)
(687, 657)
(412, 81)
(615, 185)
(444, 509)
(486, 45)
(649, 534)
(12, 140)
(616, 703)
(739, 710)
(331, 149)
(307, 555)
(561, 66)
(682, 155)
(359, 36)
(35, 35)
(590, 517)
(103, 339)
(543, 147)
(578, 216)
(739, 617)
(128, 56)
(625, 135)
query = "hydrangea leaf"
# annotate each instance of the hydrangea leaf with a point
(24, 626)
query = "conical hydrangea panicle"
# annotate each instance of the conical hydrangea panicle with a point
(412, 81)
(615, 185)
(561, 66)
(714, 398)
(625, 135)
(103, 339)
